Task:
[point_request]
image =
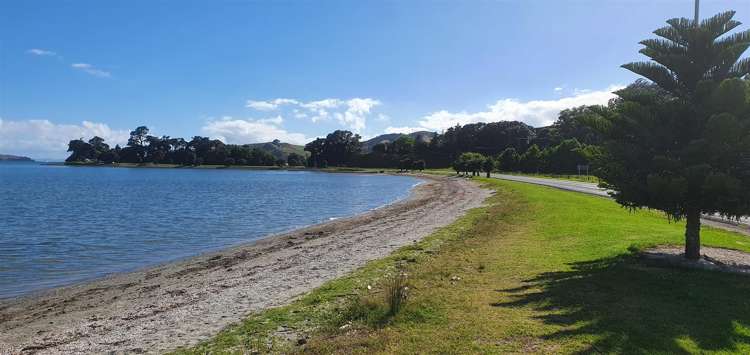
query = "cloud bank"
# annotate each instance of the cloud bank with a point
(350, 113)
(537, 113)
(242, 131)
(43, 139)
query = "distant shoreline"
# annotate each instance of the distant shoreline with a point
(176, 166)
(15, 158)
(221, 167)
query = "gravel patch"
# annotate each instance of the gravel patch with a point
(712, 258)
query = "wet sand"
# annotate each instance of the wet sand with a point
(182, 303)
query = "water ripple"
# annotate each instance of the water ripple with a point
(62, 225)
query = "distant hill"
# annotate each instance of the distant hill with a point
(280, 150)
(8, 157)
(421, 135)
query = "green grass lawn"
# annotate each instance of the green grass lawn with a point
(538, 270)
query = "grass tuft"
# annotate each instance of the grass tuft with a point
(396, 292)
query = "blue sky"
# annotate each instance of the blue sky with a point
(248, 71)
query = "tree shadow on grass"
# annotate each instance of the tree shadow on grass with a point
(622, 305)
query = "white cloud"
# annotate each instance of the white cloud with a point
(90, 69)
(404, 130)
(41, 52)
(273, 120)
(357, 110)
(270, 105)
(260, 105)
(537, 113)
(45, 139)
(84, 67)
(322, 104)
(242, 131)
(362, 106)
(319, 109)
(282, 101)
(351, 113)
(319, 115)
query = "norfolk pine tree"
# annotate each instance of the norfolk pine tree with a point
(682, 144)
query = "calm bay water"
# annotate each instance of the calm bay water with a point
(60, 224)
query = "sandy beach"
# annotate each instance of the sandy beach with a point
(182, 303)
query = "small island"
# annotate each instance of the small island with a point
(9, 157)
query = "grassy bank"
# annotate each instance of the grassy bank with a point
(536, 270)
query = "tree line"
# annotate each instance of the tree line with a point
(144, 148)
(513, 146)
(510, 145)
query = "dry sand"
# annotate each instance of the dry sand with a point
(182, 303)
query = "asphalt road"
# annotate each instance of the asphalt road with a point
(592, 189)
(583, 187)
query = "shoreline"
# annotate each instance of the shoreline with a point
(180, 303)
(294, 229)
(223, 167)
(287, 228)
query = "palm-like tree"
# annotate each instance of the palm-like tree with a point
(688, 53)
(681, 148)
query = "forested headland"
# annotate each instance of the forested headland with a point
(144, 148)
(9, 157)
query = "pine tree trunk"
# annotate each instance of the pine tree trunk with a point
(488, 174)
(693, 235)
